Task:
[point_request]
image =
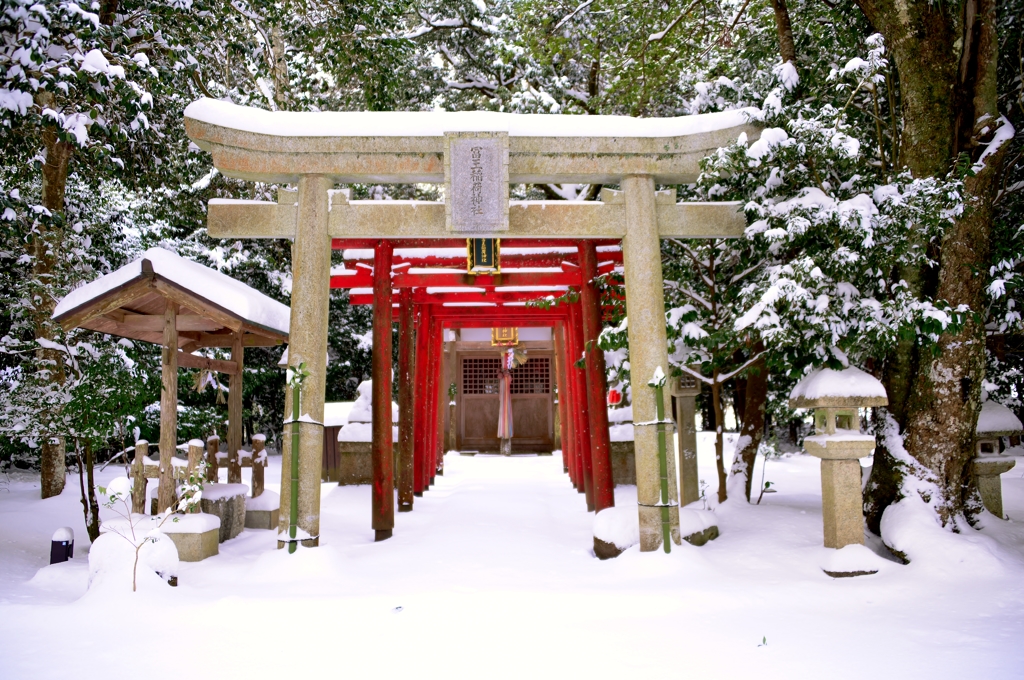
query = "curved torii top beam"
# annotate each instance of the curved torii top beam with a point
(400, 147)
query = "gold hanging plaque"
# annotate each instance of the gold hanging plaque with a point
(504, 337)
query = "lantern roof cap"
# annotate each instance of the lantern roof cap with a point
(828, 388)
(996, 420)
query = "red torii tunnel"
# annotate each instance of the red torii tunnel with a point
(429, 286)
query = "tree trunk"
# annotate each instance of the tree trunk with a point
(87, 480)
(716, 405)
(752, 429)
(946, 59)
(42, 246)
(787, 47)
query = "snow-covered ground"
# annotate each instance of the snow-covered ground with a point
(492, 576)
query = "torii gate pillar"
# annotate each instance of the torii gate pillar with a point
(648, 349)
(311, 273)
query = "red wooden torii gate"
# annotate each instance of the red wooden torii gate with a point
(433, 295)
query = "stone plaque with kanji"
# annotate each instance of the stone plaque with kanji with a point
(476, 176)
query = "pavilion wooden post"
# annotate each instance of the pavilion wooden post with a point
(259, 464)
(420, 400)
(597, 409)
(564, 403)
(168, 407)
(139, 480)
(648, 349)
(383, 488)
(235, 411)
(441, 397)
(212, 467)
(195, 457)
(406, 388)
(584, 465)
(311, 265)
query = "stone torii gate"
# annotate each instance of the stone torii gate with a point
(476, 155)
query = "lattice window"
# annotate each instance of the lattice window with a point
(480, 375)
(533, 377)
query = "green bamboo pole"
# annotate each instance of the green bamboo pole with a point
(658, 383)
(298, 376)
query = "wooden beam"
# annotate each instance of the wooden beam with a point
(155, 322)
(206, 308)
(107, 303)
(219, 365)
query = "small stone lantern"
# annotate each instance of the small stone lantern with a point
(994, 421)
(837, 397)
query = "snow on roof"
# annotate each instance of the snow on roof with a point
(436, 123)
(997, 420)
(825, 384)
(336, 413)
(209, 284)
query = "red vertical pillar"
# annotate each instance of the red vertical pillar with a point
(565, 401)
(580, 389)
(560, 358)
(434, 362)
(383, 494)
(406, 389)
(597, 409)
(441, 393)
(420, 399)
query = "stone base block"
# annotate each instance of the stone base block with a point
(699, 538)
(355, 463)
(262, 519)
(230, 509)
(196, 547)
(605, 550)
(623, 463)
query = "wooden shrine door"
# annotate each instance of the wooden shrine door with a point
(532, 403)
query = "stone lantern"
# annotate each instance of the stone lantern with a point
(837, 397)
(994, 421)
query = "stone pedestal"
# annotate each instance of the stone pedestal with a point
(355, 463)
(623, 463)
(196, 547)
(195, 535)
(226, 501)
(842, 505)
(986, 473)
(263, 511)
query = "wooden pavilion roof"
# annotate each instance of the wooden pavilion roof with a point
(131, 302)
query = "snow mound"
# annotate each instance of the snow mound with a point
(336, 413)
(268, 500)
(851, 559)
(112, 558)
(621, 415)
(619, 526)
(220, 289)
(621, 433)
(692, 521)
(849, 383)
(997, 420)
(216, 492)
(362, 409)
(911, 528)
